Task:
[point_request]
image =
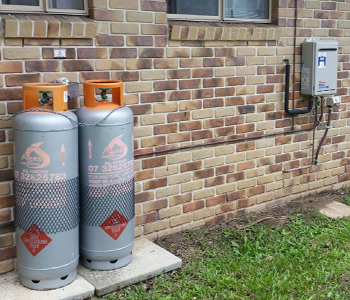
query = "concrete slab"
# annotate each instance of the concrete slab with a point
(149, 260)
(335, 210)
(11, 289)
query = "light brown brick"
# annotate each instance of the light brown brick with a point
(124, 28)
(153, 75)
(25, 26)
(6, 240)
(167, 171)
(156, 226)
(21, 53)
(141, 175)
(11, 26)
(167, 191)
(5, 213)
(155, 205)
(183, 219)
(151, 120)
(226, 188)
(179, 137)
(6, 266)
(148, 29)
(137, 64)
(137, 87)
(178, 199)
(180, 178)
(203, 213)
(203, 193)
(121, 4)
(11, 67)
(171, 63)
(110, 64)
(6, 148)
(143, 197)
(169, 212)
(191, 186)
(246, 183)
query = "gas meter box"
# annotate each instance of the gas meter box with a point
(319, 65)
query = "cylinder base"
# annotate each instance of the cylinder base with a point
(48, 284)
(106, 265)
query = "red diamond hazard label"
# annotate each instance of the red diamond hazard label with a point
(115, 224)
(35, 239)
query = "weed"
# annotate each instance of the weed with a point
(346, 199)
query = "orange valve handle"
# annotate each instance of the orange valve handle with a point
(116, 86)
(58, 90)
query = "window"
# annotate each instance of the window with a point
(48, 6)
(220, 10)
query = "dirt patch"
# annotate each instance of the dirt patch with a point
(181, 244)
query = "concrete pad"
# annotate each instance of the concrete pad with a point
(149, 260)
(335, 210)
(11, 289)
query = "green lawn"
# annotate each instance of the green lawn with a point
(307, 257)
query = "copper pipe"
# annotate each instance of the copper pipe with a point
(222, 142)
(297, 169)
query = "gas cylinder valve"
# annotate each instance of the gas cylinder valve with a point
(104, 93)
(45, 97)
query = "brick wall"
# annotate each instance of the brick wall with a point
(212, 140)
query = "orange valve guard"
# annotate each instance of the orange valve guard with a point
(58, 90)
(115, 86)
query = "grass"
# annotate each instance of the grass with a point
(308, 257)
(346, 199)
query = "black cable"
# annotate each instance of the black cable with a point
(321, 116)
(324, 135)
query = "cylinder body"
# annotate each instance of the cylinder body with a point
(46, 198)
(107, 187)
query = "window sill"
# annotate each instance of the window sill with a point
(217, 31)
(48, 26)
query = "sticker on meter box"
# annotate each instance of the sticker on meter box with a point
(322, 60)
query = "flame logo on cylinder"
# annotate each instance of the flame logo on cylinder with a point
(35, 157)
(116, 149)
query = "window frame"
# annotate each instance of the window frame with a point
(43, 8)
(220, 17)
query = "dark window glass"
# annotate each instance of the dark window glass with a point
(66, 4)
(21, 2)
(193, 7)
(247, 9)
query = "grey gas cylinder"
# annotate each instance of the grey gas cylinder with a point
(46, 189)
(107, 177)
